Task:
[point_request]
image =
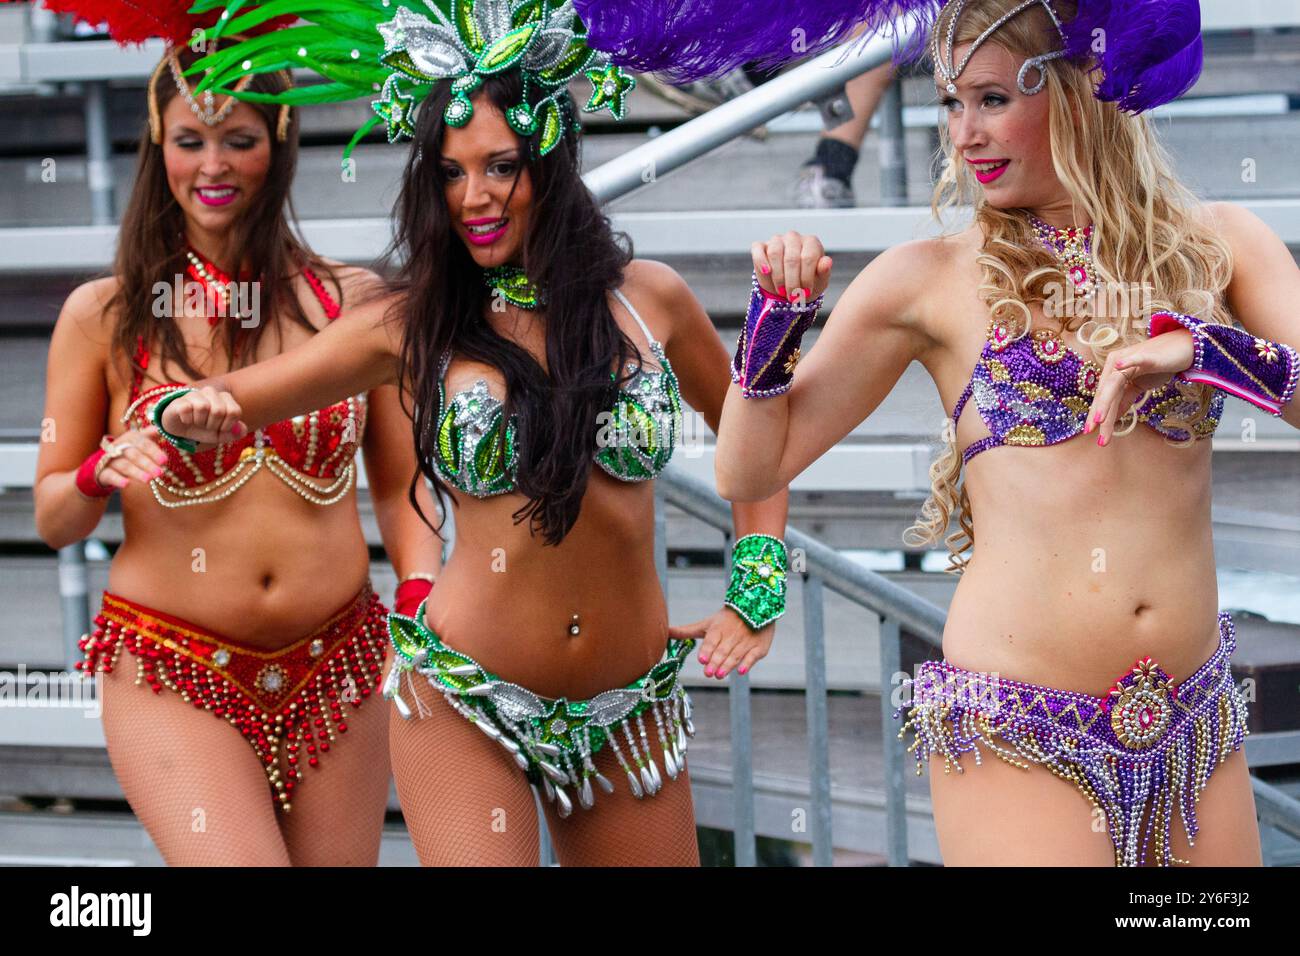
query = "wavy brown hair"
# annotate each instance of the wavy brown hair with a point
(1146, 234)
(151, 242)
(572, 253)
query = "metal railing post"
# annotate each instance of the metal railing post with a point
(742, 753)
(895, 787)
(819, 754)
(74, 599)
(99, 153)
(893, 147)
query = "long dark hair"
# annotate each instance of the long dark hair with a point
(151, 244)
(572, 253)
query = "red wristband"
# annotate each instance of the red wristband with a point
(87, 483)
(409, 594)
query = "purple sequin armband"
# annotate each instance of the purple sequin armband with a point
(1261, 372)
(768, 348)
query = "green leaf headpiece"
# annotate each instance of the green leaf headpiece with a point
(401, 49)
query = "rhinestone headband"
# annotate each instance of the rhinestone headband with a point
(950, 70)
(203, 106)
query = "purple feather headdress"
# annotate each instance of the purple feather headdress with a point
(1146, 52)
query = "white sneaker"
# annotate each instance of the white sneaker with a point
(815, 190)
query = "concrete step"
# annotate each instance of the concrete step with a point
(1209, 154)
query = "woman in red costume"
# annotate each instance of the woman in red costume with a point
(242, 584)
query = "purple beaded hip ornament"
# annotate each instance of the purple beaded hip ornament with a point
(1147, 745)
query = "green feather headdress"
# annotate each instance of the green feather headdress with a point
(395, 51)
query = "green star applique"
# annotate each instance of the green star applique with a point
(763, 570)
(395, 109)
(610, 87)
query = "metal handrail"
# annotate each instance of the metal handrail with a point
(820, 567)
(644, 164)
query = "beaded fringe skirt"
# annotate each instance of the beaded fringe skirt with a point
(553, 740)
(287, 703)
(1145, 751)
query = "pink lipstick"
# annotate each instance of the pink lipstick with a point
(216, 195)
(484, 232)
(986, 174)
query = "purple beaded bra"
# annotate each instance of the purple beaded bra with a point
(1035, 390)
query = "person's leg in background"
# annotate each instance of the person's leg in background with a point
(826, 180)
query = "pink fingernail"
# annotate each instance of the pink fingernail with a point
(722, 673)
(742, 668)
(1119, 363)
(157, 473)
(766, 270)
(1101, 440)
(238, 430)
(781, 289)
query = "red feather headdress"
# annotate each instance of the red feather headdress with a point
(129, 21)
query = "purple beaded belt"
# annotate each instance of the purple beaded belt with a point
(1148, 744)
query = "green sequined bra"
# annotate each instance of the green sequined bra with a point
(635, 439)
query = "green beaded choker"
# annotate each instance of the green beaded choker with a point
(512, 284)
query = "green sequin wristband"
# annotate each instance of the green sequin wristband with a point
(184, 444)
(758, 571)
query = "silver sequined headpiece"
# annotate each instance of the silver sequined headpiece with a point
(950, 70)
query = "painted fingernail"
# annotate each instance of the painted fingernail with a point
(742, 668)
(238, 430)
(1101, 440)
(157, 473)
(722, 673)
(807, 293)
(708, 672)
(781, 289)
(1119, 363)
(766, 270)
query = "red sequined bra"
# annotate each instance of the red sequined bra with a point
(313, 454)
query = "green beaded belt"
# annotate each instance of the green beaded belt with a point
(553, 741)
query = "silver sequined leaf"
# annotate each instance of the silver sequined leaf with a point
(610, 706)
(433, 48)
(493, 19)
(515, 702)
(561, 16)
(547, 49)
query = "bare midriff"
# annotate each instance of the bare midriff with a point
(508, 601)
(1086, 558)
(263, 566)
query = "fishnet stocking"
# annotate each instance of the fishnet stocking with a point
(199, 789)
(467, 803)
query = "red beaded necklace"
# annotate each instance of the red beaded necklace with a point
(214, 281)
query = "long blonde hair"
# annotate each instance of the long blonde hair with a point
(1145, 229)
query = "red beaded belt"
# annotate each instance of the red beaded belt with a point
(282, 701)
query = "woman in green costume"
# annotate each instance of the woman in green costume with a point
(547, 370)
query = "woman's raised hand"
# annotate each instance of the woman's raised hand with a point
(1131, 371)
(131, 456)
(205, 415)
(793, 266)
